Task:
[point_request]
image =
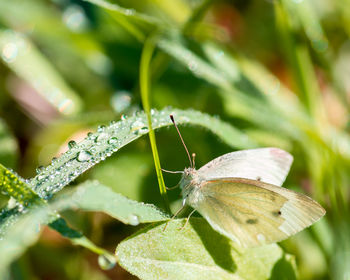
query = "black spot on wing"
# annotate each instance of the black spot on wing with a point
(276, 213)
(252, 221)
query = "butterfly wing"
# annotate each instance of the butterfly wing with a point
(253, 213)
(269, 165)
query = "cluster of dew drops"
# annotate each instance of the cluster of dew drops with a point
(94, 148)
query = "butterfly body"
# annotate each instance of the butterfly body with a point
(240, 195)
(190, 184)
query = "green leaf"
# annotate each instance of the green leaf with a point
(25, 215)
(90, 196)
(17, 233)
(12, 185)
(8, 146)
(95, 148)
(195, 252)
(109, 139)
(93, 196)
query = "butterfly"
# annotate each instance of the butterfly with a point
(241, 197)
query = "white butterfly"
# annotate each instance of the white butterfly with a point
(240, 195)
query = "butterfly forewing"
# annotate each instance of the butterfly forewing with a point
(269, 165)
(253, 213)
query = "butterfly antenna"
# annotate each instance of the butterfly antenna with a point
(178, 131)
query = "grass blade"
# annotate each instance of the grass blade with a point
(145, 97)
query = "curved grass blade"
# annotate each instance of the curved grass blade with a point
(109, 139)
(144, 91)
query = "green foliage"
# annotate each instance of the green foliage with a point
(195, 252)
(34, 68)
(8, 146)
(275, 72)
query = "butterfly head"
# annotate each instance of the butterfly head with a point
(189, 181)
(187, 177)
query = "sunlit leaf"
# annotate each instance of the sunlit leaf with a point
(195, 252)
(93, 196)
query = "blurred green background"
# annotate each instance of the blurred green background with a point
(276, 69)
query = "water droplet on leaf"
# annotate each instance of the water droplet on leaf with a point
(101, 128)
(72, 144)
(133, 220)
(39, 169)
(106, 261)
(84, 156)
(101, 137)
(113, 140)
(138, 127)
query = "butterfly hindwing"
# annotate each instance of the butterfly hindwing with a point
(269, 165)
(253, 213)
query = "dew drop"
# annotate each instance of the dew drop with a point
(133, 220)
(72, 144)
(138, 127)
(11, 203)
(113, 140)
(106, 261)
(101, 128)
(39, 169)
(101, 137)
(84, 156)
(123, 117)
(20, 207)
(40, 177)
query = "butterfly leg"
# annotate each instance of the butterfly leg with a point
(187, 219)
(173, 172)
(172, 188)
(173, 217)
